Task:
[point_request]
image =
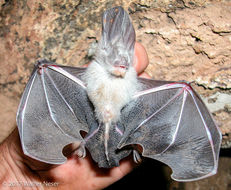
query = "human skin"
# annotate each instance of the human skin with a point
(19, 170)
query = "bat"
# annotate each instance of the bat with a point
(120, 113)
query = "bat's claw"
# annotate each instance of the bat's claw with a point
(136, 156)
(81, 151)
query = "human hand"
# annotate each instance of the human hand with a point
(77, 173)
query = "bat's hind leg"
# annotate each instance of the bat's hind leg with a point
(136, 156)
(81, 150)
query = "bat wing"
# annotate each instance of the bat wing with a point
(53, 110)
(173, 125)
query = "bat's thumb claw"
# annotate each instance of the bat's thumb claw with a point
(81, 151)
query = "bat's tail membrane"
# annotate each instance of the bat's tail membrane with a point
(103, 146)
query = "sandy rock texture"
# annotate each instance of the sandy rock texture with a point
(185, 40)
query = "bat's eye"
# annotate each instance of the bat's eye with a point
(122, 63)
(122, 67)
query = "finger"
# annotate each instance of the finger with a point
(140, 58)
(144, 75)
(114, 174)
(86, 65)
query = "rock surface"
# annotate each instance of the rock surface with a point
(185, 40)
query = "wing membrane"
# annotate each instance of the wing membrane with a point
(51, 114)
(174, 127)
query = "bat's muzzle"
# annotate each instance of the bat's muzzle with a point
(119, 71)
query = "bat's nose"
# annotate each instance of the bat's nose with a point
(119, 71)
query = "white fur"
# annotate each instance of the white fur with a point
(109, 93)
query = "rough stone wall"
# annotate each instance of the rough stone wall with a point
(192, 44)
(185, 40)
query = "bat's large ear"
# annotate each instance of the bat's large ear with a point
(117, 29)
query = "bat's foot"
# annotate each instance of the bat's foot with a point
(136, 156)
(81, 151)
